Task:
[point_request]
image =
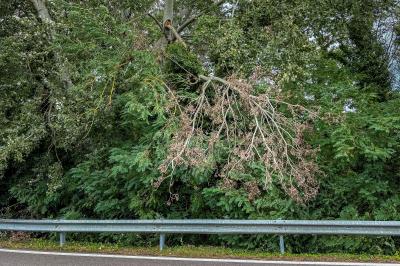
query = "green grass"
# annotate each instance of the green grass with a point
(186, 251)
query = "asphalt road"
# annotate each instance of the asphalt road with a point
(32, 258)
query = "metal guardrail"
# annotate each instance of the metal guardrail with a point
(163, 227)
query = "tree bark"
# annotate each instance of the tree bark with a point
(168, 19)
(44, 16)
(41, 9)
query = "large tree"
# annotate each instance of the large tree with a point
(199, 109)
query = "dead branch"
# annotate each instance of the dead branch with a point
(254, 129)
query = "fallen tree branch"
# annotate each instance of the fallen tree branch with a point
(252, 127)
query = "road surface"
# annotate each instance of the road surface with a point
(35, 258)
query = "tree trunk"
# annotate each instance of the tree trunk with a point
(43, 12)
(44, 15)
(168, 19)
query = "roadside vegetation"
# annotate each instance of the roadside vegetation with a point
(189, 251)
(187, 109)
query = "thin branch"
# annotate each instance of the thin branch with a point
(187, 23)
(176, 34)
(156, 21)
(263, 134)
(193, 19)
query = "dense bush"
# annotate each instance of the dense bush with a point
(94, 150)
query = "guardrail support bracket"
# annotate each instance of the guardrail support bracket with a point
(162, 241)
(62, 238)
(282, 244)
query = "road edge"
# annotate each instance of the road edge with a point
(166, 258)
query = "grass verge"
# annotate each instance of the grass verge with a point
(187, 251)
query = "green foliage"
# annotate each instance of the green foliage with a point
(182, 66)
(95, 149)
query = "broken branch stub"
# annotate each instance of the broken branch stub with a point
(168, 18)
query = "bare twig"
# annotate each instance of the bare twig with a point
(262, 134)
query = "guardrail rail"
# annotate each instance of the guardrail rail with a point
(163, 227)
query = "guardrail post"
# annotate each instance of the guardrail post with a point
(282, 244)
(162, 241)
(62, 238)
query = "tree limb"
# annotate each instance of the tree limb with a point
(168, 13)
(187, 23)
(156, 21)
(262, 133)
(176, 35)
(193, 19)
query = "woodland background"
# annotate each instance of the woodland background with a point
(257, 109)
